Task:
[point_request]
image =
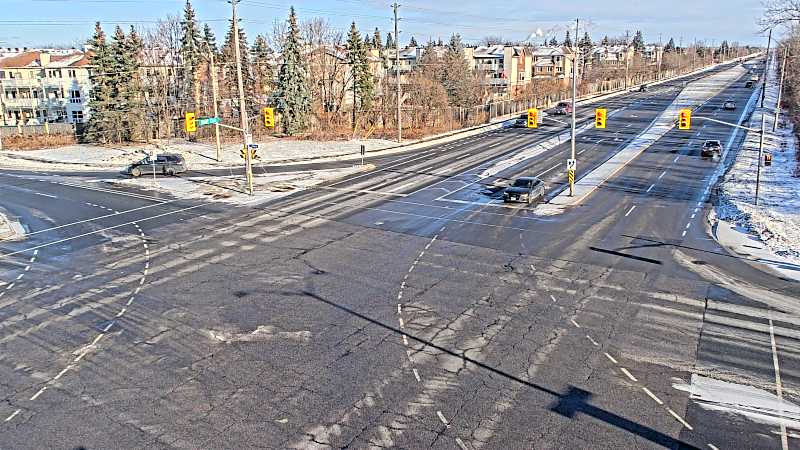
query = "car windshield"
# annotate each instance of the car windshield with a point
(522, 183)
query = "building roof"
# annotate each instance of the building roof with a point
(493, 51)
(551, 51)
(34, 59)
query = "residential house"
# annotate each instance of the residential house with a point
(653, 54)
(503, 70)
(554, 63)
(610, 55)
(39, 86)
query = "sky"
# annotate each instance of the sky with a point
(36, 23)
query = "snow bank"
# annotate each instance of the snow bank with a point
(776, 220)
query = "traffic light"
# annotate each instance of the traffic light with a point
(191, 122)
(533, 118)
(254, 153)
(600, 118)
(685, 120)
(243, 152)
(269, 117)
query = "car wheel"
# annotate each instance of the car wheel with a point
(135, 172)
(171, 172)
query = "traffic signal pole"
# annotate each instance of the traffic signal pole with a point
(242, 105)
(215, 94)
(571, 173)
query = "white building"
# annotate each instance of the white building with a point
(40, 86)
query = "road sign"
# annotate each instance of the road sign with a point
(208, 121)
(685, 119)
(571, 164)
(533, 118)
(600, 118)
(191, 122)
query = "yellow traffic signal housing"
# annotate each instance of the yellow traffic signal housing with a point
(600, 117)
(191, 122)
(243, 153)
(685, 119)
(533, 118)
(269, 117)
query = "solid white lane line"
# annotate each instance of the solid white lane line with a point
(628, 374)
(36, 395)
(653, 396)
(548, 170)
(778, 385)
(630, 211)
(45, 195)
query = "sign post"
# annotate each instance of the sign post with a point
(571, 166)
(363, 152)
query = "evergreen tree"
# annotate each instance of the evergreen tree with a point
(457, 78)
(209, 40)
(136, 117)
(567, 41)
(377, 42)
(228, 57)
(586, 43)
(606, 41)
(670, 47)
(261, 54)
(440, 43)
(101, 98)
(553, 42)
(413, 42)
(191, 53)
(363, 87)
(389, 41)
(638, 42)
(292, 95)
(367, 42)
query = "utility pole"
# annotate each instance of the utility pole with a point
(760, 153)
(242, 106)
(766, 71)
(575, 51)
(780, 90)
(215, 93)
(397, 73)
(659, 55)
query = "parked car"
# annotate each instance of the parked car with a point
(562, 108)
(524, 189)
(711, 148)
(165, 164)
(749, 84)
(729, 105)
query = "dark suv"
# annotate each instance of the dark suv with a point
(165, 164)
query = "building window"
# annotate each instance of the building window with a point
(72, 73)
(77, 116)
(2, 74)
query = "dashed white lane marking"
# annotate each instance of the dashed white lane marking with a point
(405, 340)
(38, 393)
(662, 174)
(628, 374)
(14, 414)
(10, 286)
(610, 358)
(683, 234)
(712, 447)
(676, 159)
(416, 375)
(630, 211)
(688, 225)
(554, 299)
(27, 268)
(592, 341)
(461, 444)
(651, 187)
(443, 419)
(45, 195)
(651, 395)
(574, 323)
(19, 277)
(693, 216)
(679, 419)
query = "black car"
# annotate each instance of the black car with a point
(165, 164)
(524, 189)
(711, 148)
(749, 84)
(643, 88)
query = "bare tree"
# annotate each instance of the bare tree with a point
(780, 12)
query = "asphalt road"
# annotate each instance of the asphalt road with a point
(404, 307)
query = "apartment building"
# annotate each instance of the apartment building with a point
(40, 86)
